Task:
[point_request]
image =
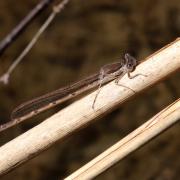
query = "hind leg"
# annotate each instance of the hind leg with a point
(101, 77)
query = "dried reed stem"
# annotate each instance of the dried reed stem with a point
(80, 113)
(130, 143)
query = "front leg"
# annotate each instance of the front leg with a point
(131, 77)
(117, 83)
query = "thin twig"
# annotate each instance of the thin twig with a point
(56, 9)
(80, 113)
(130, 143)
(4, 44)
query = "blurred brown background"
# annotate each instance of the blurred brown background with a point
(86, 35)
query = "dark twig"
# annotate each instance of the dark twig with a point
(56, 9)
(4, 44)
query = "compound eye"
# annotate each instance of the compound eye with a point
(129, 65)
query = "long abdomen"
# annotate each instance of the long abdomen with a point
(37, 105)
